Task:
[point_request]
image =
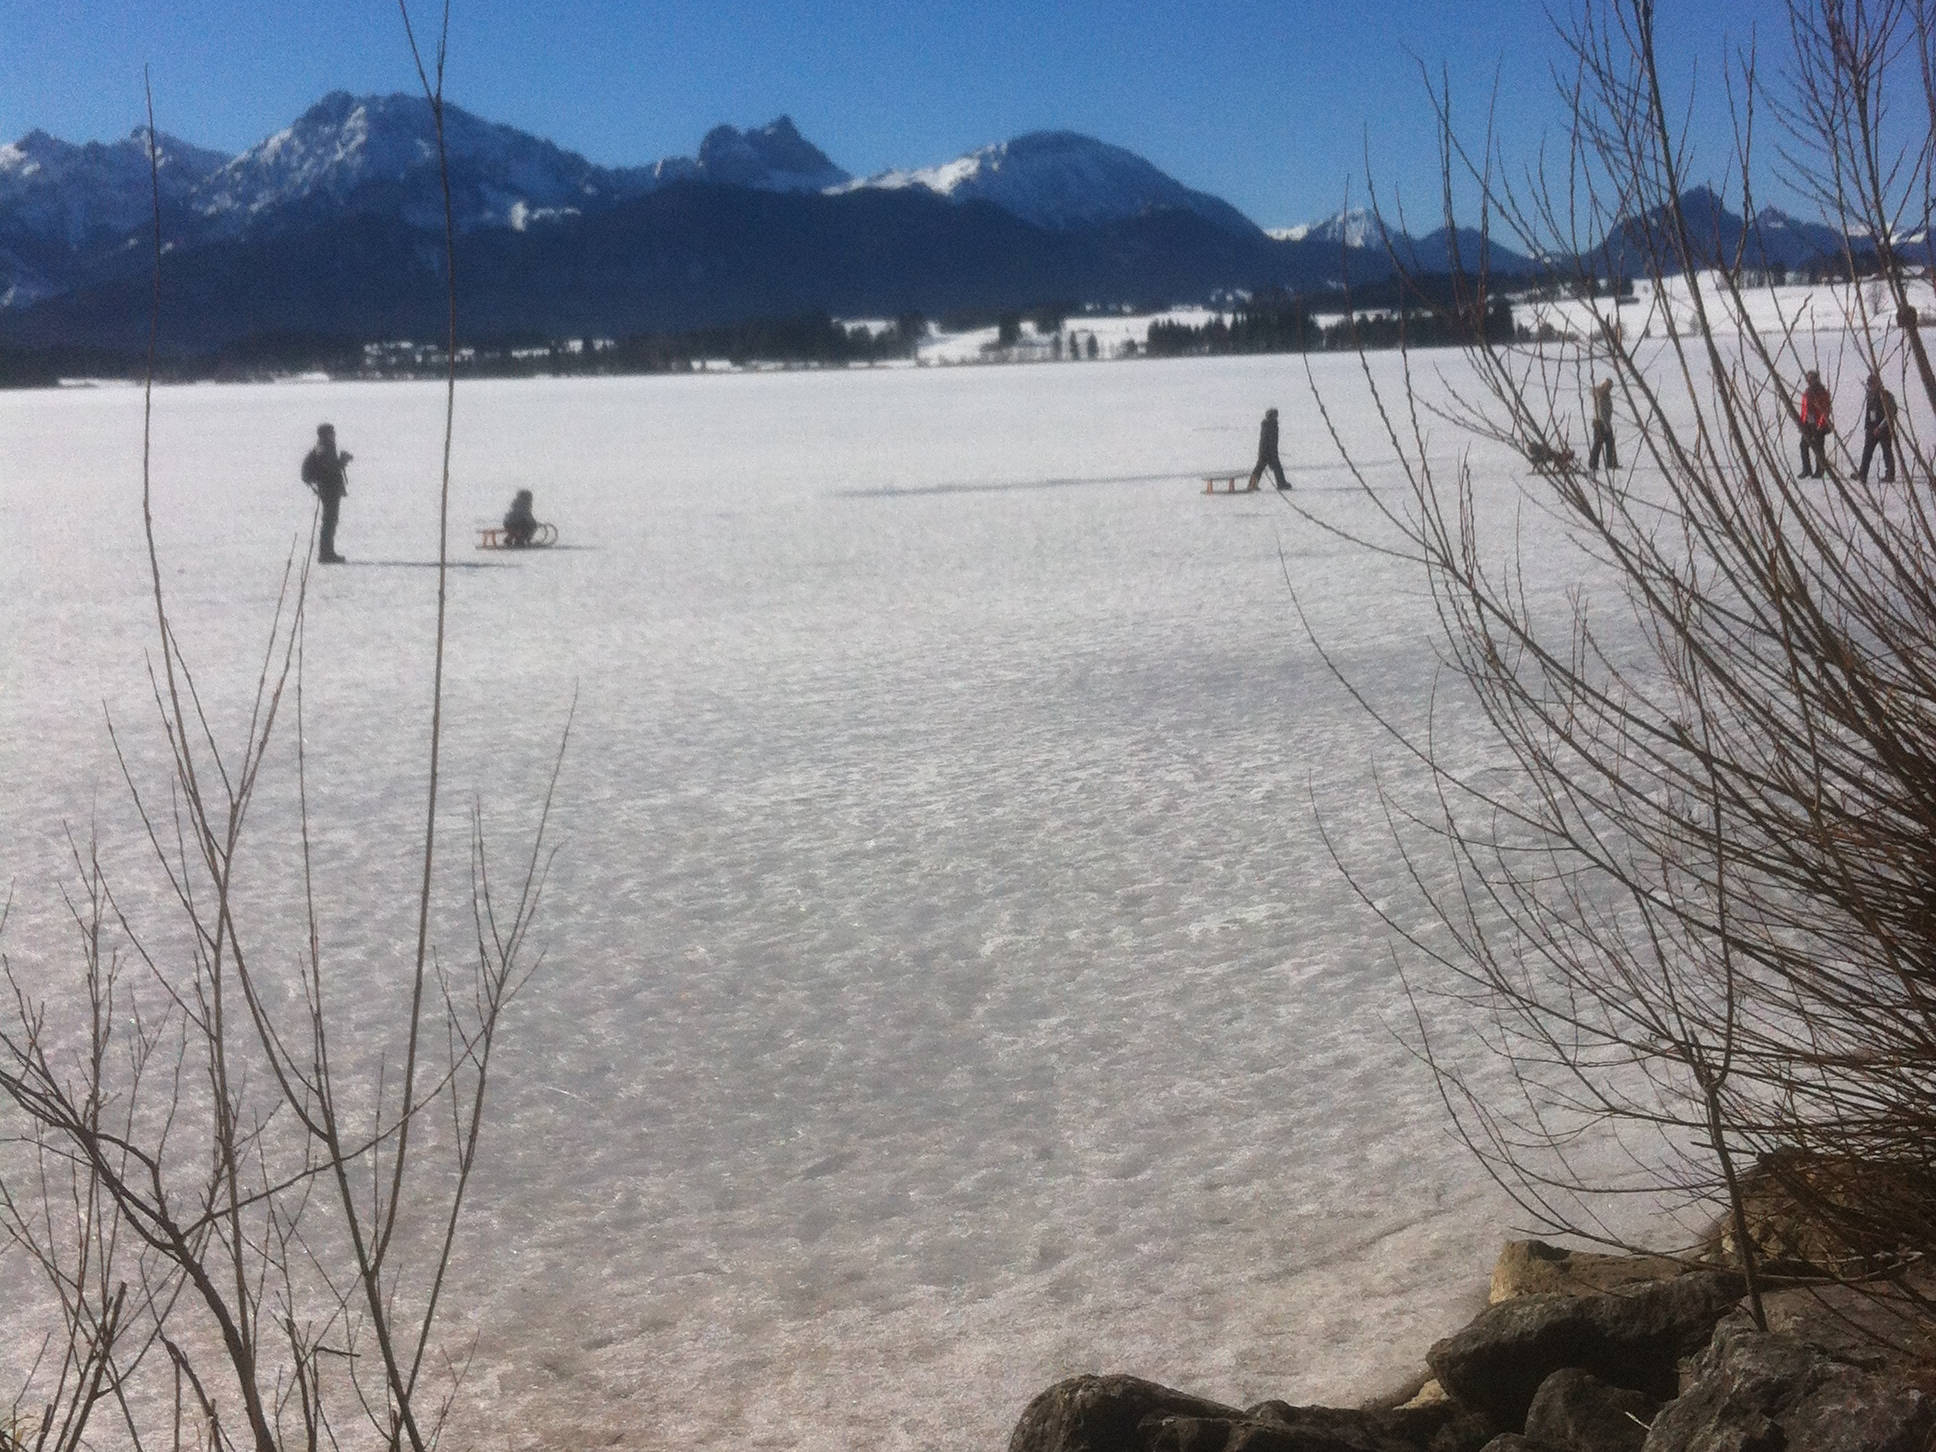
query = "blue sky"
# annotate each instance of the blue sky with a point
(1272, 104)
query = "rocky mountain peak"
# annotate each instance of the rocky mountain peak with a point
(773, 157)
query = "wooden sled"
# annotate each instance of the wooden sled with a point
(1227, 484)
(494, 538)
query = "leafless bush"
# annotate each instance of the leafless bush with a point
(1702, 916)
(245, 1226)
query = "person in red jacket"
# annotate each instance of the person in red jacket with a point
(1815, 417)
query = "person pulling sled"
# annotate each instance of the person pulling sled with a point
(1267, 452)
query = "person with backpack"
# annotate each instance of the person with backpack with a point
(324, 470)
(1814, 415)
(1878, 429)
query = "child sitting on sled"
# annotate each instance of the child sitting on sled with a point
(520, 524)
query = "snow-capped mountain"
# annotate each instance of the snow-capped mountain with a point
(1058, 180)
(774, 157)
(379, 152)
(1792, 242)
(1353, 227)
(56, 190)
(1438, 251)
(61, 203)
(359, 152)
(1720, 238)
(67, 213)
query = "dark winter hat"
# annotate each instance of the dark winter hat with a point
(1270, 413)
(325, 431)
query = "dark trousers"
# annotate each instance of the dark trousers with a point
(1878, 439)
(326, 545)
(1814, 453)
(1269, 461)
(1602, 443)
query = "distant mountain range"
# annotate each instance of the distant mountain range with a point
(333, 228)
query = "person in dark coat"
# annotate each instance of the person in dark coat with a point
(324, 471)
(1878, 429)
(519, 522)
(1267, 452)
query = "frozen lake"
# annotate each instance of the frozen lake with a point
(946, 986)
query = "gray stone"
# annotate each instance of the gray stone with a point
(1574, 1411)
(1103, 1414)
(1125, 1414)
(1513, 1442)
(1320, 1429)
(1534, 1268)
(1632, 1339)
(1761, 1391)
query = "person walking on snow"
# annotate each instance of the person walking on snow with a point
(1878, 430)
(1814, 414)
(323, 470)
(1267, 452)
(1603, 427)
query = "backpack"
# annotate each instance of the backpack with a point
(312, 469)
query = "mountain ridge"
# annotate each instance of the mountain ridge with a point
(316, 221)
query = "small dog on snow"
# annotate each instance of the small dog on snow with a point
(1547, 460)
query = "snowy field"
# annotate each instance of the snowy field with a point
(1809, 319)
(946, 985)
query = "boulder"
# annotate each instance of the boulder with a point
(1883, 1328)
(1574, 1411)
(1810, 1213)
(1103, 1414)
(1534, 1268)
(1759, 1391)
(1125, 1414)
(1513, 1442)
(1634, 1340)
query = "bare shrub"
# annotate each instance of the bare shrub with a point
(244, 1223)
(1699, 916)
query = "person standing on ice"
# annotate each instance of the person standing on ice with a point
(1878, 429)
(1603, 427)
(1267, 452)
(323, 470)
(1815, 415)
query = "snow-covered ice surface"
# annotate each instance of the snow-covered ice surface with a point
(1811, 318)
(946, 986)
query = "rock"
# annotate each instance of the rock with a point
(1534, 1268)
(1762, 1391)
(1574, 1411)
(1125, 1414)
(1817, 1214)
(1496, 1364)
(1321, 1429)
(1271, 1411)
(1513, 1442)
(1883, 1329)
(1401, 1393)
(1103, 1414)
